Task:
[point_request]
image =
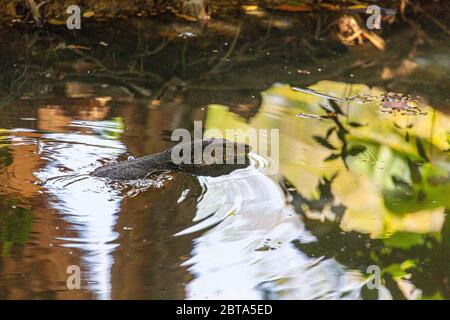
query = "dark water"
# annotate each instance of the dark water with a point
(366, 186)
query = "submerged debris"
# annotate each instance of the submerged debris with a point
(390, 102)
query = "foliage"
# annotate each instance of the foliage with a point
(15, 226)
(372, 193)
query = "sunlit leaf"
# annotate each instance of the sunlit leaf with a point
(56, 22)
(88, 14)
(294, 8)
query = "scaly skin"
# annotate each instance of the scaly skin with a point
(147, 166)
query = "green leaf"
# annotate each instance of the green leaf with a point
(332, 157)
(356, 124)
(324, 142)
(356, 149)
(330, 131)
(404, 240)
(421, 149)
(401, 183)
(335, 107)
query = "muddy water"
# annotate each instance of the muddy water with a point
(352, 185)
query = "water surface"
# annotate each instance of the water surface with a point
(356, 185)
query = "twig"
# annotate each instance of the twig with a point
(34, 8)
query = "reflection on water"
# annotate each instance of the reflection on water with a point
(364, 171)
(355, 188)
(249, 254)
(87, 204)
(240, 235)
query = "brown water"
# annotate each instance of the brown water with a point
(364, 186)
